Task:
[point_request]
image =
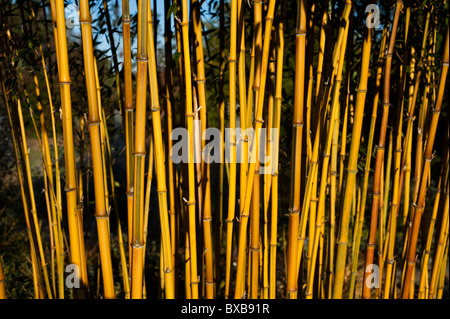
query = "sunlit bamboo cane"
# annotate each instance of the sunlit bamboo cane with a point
(341, 254)
(244, 215)
(380, 152)
(300, 43)
(360, 221)
(326, 156)
(139, 152)
(129, 110)
(191, 170)
(277, 120)
(169, 103)
(204, 204)
(439, 255)
(160, 168)
(75, 227)
(101, 213)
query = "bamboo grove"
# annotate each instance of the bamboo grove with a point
(348, 199)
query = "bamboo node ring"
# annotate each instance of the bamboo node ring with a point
(68, 189)
(85, 21)
(94, 123)
(155, 109)
(141, 154)
(101, 217)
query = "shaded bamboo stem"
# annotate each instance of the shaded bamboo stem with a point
(428, 156)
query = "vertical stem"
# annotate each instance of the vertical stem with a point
(380, 152)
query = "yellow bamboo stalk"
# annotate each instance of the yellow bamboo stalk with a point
(441, 284)
(326, 157)
(37, 280)
(380, 151)
(300, 45)
(242, 104)
(148, 189)
(277, 120)
(426, 252)
(94, 122)
(440, 248)
(107, 158)
(254, 238)
(205, 205)
(333, 194)
(129, 110)
(75, 227)
(169, 101)
(360, 220)
(139, 152)
(244, 215)
(191, 169)
(37, 232)
(160, 168)
(232, 60)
